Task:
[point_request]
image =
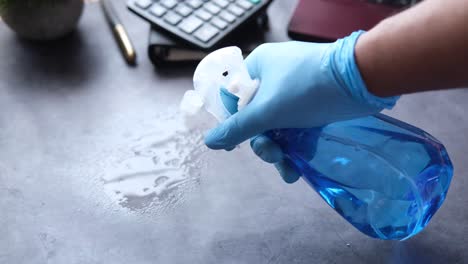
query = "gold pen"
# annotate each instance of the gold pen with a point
(120, 34)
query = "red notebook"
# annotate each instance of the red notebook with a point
(328, 20)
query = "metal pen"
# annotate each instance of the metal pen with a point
(120, 34)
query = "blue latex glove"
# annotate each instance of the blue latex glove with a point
(301, 85)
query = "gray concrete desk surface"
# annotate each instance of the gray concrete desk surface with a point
(72, 112)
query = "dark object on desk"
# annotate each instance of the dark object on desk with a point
(329, 20)
(41, 20)
(200, 23)
(120, 34)
(164, 49)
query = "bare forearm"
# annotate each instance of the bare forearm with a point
(423, 48)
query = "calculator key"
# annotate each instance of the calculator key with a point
(169, 3)
(172, 18)
(245, 4)
(206, 32)
(219, 23)
(221, 3)
(190, 24)
(183, 10)
(143, 3)
(236, 10)
(195, 3)
(157, 10)
(212, 8)
(203, 14)
(227, 16)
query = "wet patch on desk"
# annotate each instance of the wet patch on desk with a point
(157, 169)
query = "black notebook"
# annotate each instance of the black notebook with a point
(164, 49)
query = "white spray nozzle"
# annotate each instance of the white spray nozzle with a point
(223, 68)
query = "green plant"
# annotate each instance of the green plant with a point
(4, 4)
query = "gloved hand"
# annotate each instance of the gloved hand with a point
(302, 85)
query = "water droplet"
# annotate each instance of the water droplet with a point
(155, 160)
(160, 180)
(172, 162)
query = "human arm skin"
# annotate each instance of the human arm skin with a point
(311, 85)
(423, 48)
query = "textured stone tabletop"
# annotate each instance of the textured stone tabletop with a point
(96, 168)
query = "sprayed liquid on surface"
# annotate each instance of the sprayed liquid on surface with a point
(156, 170)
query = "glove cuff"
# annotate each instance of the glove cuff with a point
(344, 66)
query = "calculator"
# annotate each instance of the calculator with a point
(201, 23)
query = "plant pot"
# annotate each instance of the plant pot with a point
(42, 19)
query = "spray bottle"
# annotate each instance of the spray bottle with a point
(385, 177)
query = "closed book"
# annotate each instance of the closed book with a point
(165, 49)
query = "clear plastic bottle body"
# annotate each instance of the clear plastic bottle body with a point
(385, 177)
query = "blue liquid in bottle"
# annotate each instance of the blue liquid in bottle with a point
(385, 177)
